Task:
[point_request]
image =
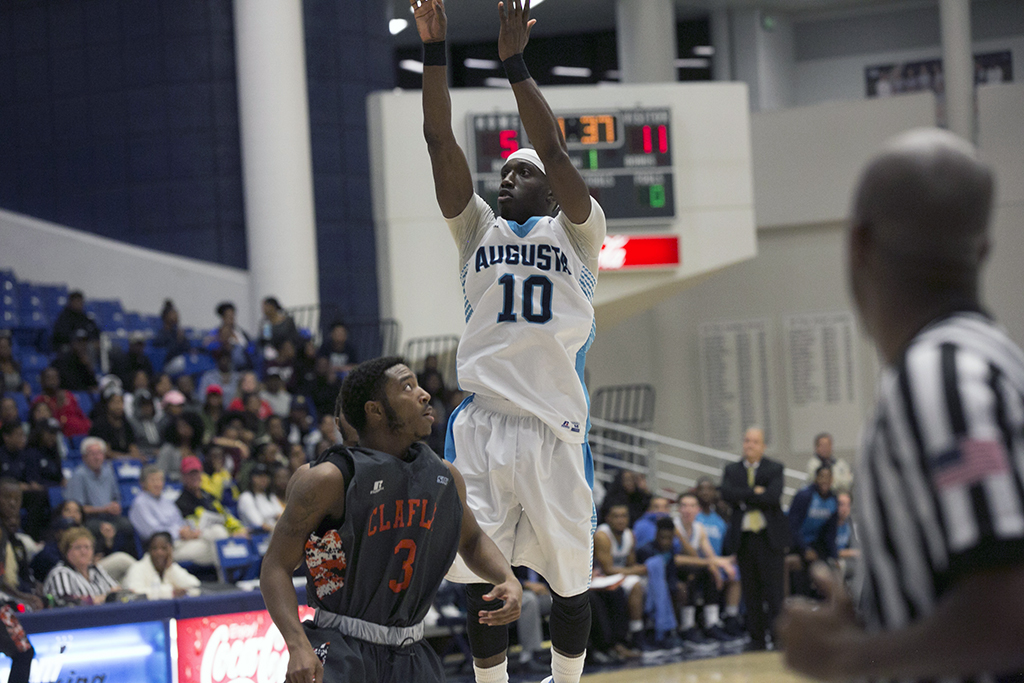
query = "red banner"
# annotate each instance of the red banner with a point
(233, 648)
(626, 252)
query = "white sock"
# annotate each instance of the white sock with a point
(688, 618)
(566, 669)
(636, 625)
(732, 610)
(494, 674)
(710, 615)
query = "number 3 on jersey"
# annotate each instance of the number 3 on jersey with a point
(410, 545)
(536, 295)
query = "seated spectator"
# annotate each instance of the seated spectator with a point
(275, 394)
(9, 411)
(77, 580)
(145, 428)
(296, 457)
(151, 512)
(324, 387)
(709, 580)
(224, 377)
(284, 363)
(666, 595)
(75, 365)
(10, 370)
(212, 411)
(303, 369)
(72, 319)
(615, 553)
(645, 528)
(274, 430)
(217, 479)
(630, 489)
(18, 548)
(813, 516)
(113, 426)
(157, 575)
(276, 327)
(267, 453)
(842, 473)
(182, 438)
(336, 349)
(326, 433)
(139, 382)
(229, 337)
(198, 507)
(846, 535)
(258, 507)
(42, 472)
(62, 404)
(162, 384)
(248, 392)
(170, 336)
(235, 439)
(68, 514)
(93, 485)
(279, 478)
(173, 404)
(299, 423)
(127, 364)
(12, 450)
(186, 384)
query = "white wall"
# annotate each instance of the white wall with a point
(43, 252)
(805, 164)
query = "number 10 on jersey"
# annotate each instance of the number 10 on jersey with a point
(534, 299)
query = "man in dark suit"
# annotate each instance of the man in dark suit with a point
(758, 534)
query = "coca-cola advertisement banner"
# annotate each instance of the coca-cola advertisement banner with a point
(232, 648)
(105, 654)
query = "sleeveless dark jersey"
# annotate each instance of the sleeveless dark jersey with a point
(384, 561)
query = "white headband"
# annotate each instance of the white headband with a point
(527, 154)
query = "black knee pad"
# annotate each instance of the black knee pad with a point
(570, 623)
(485, 641)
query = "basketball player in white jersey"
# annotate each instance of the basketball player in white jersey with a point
(528, 277)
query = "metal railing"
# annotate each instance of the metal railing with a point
(671, 465)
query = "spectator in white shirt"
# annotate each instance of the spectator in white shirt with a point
(258, 507)
(157, 575)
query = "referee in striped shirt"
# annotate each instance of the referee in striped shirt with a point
(940, 492)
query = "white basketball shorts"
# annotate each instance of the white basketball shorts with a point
(528, 489)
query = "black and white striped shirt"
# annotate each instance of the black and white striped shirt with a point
(63, 581)
(940, 492)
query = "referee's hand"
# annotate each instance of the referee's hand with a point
(816, 636)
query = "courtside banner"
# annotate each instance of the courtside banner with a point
(245, 647)
(630, 252)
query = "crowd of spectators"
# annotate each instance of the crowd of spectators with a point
(126, 479)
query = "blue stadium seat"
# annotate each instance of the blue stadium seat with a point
(22, 403)
(134, 322)
(54, 299)
(156, 356)
(85, 400)
(129, 490)
(56, 494)
(32, 363)
(237, 559)
(260, 543)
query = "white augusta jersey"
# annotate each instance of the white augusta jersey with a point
(529, 313)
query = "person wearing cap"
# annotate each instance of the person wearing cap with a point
(224, 376)
(258, 506)
(528, 275)
(198, 507)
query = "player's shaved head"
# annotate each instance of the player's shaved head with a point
(918, 234)
(927, 197)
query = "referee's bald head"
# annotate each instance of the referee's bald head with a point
(927, 198)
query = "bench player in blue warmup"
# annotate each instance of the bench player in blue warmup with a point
(377, 526)
(528, 276)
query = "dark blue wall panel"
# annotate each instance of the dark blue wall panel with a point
(120, 117)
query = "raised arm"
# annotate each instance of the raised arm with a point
(314, 494)
(540, 123)
(453, 184)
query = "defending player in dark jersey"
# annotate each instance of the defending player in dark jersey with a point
(377, 525)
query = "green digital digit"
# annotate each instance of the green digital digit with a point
(593, 159)
(657, 196)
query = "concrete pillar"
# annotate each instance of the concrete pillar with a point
(273, 112)
(958, 66)
(646, 35)
(721, 40)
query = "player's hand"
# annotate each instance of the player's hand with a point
(512, 593)
(816, 637)
(304, 666)
(431, 21)
(515, 27)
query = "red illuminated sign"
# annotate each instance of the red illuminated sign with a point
(233, 648)
(626, 252)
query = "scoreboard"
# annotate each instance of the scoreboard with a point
(625, 157)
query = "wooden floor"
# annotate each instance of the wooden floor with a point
(751, 667)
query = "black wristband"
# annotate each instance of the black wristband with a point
(435, 54)
(515, 68)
